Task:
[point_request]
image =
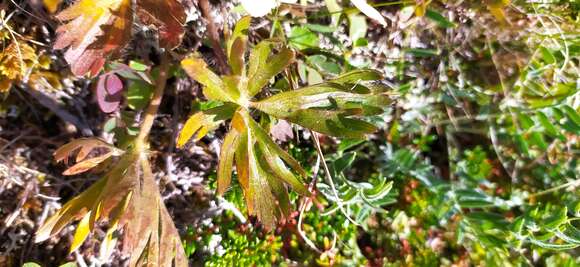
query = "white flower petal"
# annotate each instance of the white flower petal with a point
(259, 8)
(370, 11)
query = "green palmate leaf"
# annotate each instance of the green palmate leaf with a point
(264, 67)
(327, 108)
(273, 156)
(261, 169)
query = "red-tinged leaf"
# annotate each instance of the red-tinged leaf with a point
(85, 146)
(168, 16)
(259, 198)
(237, 57)
(95, 30)
(240, 31)
(225, 165)
(150, 236)
(128, 198)
(241, 160)
(109, 92)
(86, 165)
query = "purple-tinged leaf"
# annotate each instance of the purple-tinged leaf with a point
(109, 92)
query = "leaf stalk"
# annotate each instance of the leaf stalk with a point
(151, 111)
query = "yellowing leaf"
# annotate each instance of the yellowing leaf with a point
(82, 232)
(213, 88)
(86, 165)
(421, 7)
(496, 8)
(227, 151)
(17, 60)
(202, 122)
(74, 209)
(97, 29)
(51, 5)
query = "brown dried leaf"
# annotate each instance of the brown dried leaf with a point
(168, 16)
(150, 236)
(85, 146)
(86, 165)
(127, 197)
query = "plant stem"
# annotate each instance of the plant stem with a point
(151, 111)
(573, 183)
(214, 37)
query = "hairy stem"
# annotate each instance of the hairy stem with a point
(151, 111)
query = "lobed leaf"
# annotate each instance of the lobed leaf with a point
(236, 45)
(98, 29)
(225, 165)
(260, 168)
(85, 146)
(327, 108)
(214, 87)
(128, 198)
(202, 122)
(95, 30)
(263, 67)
